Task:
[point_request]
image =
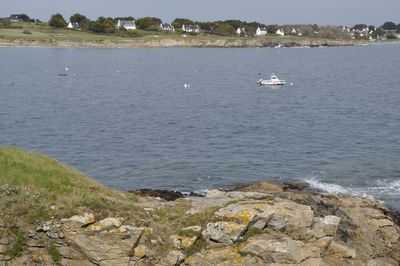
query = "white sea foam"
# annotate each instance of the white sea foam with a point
(332, 188)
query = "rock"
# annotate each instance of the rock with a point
(82, 220)
(242, 261)
(213, 256)
(194, 228)
(141, 251)
(174, 257)
(105, 224)
(279, 248)
(126, 231)
(326, 226)
(298, 185)
(265, 186)
(181, 242)
(224, 232)
(382, 262)
(340, 250)
(164, 194)
(51, 229)
(236, 213)
(3, 249)
(291, 217)
(4, 241)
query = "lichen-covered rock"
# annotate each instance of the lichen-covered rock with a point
(224, 232)
(213, 256)
(291, 217)
(181, 242)
(325, 226)
(174, 257)
(85, 219)
(244, 213)
(279, 249)
(105, 224)
(105, 248)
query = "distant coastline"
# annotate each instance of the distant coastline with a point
(184, 42)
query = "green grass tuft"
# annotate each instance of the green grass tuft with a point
(18, 245)
(54, 253)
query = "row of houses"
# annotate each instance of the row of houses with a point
(262, 31)
(128, 25)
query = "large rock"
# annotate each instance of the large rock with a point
(105, 248)
(105, 224)
(224, 232)
(279, 249)
(325, 226)
(213, 256)
(291, 217)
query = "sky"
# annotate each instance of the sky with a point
(322, 12)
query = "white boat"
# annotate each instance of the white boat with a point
(273, 81)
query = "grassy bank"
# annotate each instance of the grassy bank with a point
(35, 187)
(30, 34)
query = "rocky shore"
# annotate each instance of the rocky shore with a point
(199, 42)
(257, 224)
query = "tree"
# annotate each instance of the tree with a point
(271, 29)
(224, 29)
(371, 28)
(23, 17)
(148, 23)
(102, 25)
(58, 21)
(389, 26)
(178, 22)
(398, 28)
(359, 26)
(81, 20)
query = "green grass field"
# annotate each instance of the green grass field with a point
(33, 185)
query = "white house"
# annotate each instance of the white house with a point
(167, 27)
(261, 31)
(280, 32)
(73, 25)
(293, 31)
(190, 28)
(127, 24)
(241, 31)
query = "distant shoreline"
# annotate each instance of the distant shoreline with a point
(188, 42)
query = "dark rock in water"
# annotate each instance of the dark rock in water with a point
(395, 214)
(297, 185)
(168, 195)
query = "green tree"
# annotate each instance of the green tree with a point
(58, 21)
(224, 29)
(271, 29)
(398, 28)
(359, 26)
(82, 20)
(389, 26)
(148, 23)
(178, 22)
(23, 17)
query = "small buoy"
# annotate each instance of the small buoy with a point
(186, 85)
(66, 69)
(291, 83)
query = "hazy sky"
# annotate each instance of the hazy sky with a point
(324, 12)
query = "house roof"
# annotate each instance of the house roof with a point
(127, 23)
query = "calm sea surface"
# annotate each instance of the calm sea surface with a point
(126, 119)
